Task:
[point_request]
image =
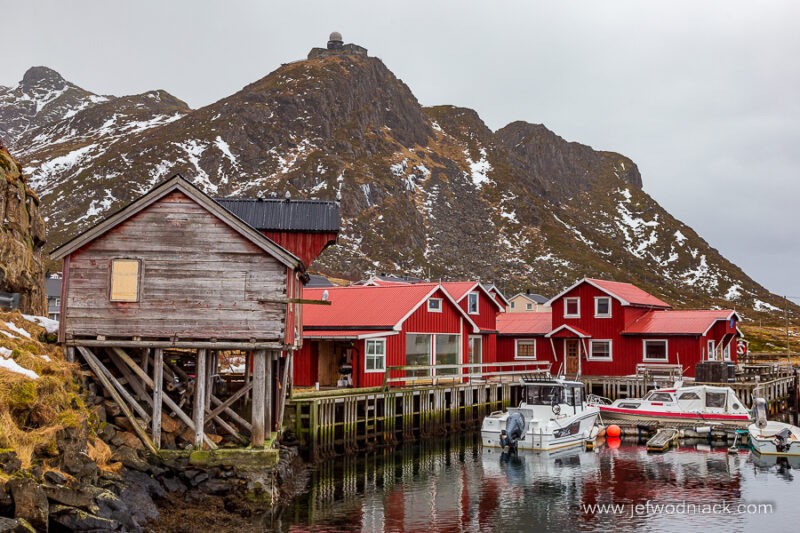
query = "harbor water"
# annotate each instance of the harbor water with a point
(457, 485)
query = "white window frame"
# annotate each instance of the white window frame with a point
(513, 305)
(477, 303)
(711, 350)
(433, 309)
(726, 352)
(517, 342)
(655, 360)
(375, 356)
(566, 305)
(597, 301)
(529, 306)
(610, 357)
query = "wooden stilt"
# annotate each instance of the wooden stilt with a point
(200, 385)
(97, 367)
(268, 395)
(158, 393)
(259, 396)
(167, 400)
(247, 374)
(283, 393)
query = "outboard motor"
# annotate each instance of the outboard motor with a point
(760, 413)
(514, 432)
(781, 440)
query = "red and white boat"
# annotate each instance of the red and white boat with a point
(695, 404)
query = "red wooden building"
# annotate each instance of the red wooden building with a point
(483, 309)
(370, 328)
(606, 328)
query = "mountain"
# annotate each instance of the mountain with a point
(430, 191)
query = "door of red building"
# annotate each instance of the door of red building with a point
(571, 350)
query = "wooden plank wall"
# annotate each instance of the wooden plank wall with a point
(200, 280)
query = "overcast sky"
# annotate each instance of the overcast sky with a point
(703, 95)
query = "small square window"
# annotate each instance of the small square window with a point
(375, 359)
(600, 350)
(125, 280)
(529, 307)
(602, 307)
(435, 305)
(526, 349)
(572, 307)
(655, 350)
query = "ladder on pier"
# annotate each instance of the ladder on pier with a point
(662, 440)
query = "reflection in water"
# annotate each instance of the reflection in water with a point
(457, 485)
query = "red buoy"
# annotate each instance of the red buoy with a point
(613, 431)
(613, 442)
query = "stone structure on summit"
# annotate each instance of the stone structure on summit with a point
(336, 46)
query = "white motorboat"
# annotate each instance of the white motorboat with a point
(551, 415)
(695, 404)
(768, 437)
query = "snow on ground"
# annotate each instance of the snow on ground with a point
(39, 177)
(575, 231)
(226, 150)
(15, 329)
(734, 292)
(50, 325)
(5, 352)
(13, 366)
(479, 170)
(680, 237)
(760, 305)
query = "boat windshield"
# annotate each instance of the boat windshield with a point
(544, 394)
(656, 396)
(573, 395)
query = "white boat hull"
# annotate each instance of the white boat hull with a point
(543, 435)
(764, 441)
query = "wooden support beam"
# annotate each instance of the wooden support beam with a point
(158, 393)
(103, 343)
(132, 380)
(124, 393)
(227, 403)
(283, 392)
(268, 394)
(259, 397)
(234, 416)
(167, 400)
(200, 384)
(97, 368)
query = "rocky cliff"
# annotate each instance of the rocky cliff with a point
(22, 237)
(428, 191)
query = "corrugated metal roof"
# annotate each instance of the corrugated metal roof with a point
(677, 322)
(535, 298)
(630, 293)
(524, 323)
(364, 307)
(346, 334)
(285, 215)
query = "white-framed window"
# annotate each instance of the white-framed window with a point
(472, 303)
(125, 276)
(525, 349)
(375, 355)
(602, 307)
(726, 353)
(600, 350)
(434, 305)
(513, 305)
(655, 350)
(712, 353)
(572, 307)
(423, 349)
(529, 307)
(57, 302)
(475, 355)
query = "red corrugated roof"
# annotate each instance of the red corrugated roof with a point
(631, 294)
(459, 289)
(360, 306)
(345, 333)
(677, 322)
(567, 331)
(524, 323)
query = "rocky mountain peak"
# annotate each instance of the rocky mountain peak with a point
(42, 78)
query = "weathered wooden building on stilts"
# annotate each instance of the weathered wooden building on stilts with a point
(152, 294)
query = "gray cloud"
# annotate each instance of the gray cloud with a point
(701, 95)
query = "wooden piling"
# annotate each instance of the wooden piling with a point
(158, 393)
(259, 397)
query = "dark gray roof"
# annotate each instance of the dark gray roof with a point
(536, 298)
(317, 281)
(285, 215)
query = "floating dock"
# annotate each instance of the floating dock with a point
(662, 440)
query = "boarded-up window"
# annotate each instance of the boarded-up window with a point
(125, 280)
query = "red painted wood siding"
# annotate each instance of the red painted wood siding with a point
(305, 365)
(598, 328)
(305, 245)
(486, 319)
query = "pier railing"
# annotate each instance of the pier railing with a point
(426, 375)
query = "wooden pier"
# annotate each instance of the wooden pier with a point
(334, 422)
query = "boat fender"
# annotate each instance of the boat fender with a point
(703, 430)
(760, 413)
